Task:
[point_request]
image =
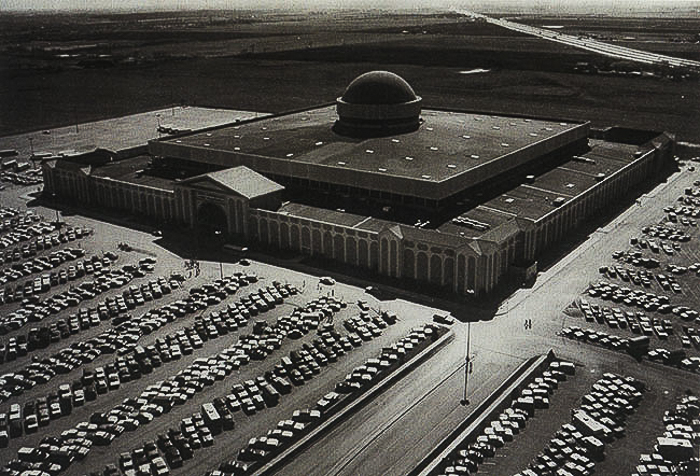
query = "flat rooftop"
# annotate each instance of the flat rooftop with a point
(447, 145)
(535, 199)
(119, 133)
(130, 171)
(334, 217)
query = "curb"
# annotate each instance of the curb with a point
(278, 462)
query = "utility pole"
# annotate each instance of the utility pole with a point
(467, 366)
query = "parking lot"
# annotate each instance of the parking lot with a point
(89, 329)
(119, 354)
(648, 297)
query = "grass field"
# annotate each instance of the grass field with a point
(527, 75)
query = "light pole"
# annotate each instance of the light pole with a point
(31, 145)
(218, 234)
(467, 366)
(58, 218)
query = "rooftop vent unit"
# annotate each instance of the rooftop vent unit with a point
(470, 223)
(600, 177)
(587, 160)
(530, 178)
(558, 201)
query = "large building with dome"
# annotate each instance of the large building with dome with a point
(377, 181)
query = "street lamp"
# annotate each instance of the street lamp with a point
(467, 366)
(31, 145)
(58, 218)
(218, 234)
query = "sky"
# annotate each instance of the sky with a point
(553, 6)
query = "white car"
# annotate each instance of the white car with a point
(327, 280)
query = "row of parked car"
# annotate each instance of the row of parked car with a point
(262, 449)
(18, 226)
(113, 307)
(675, 358)
(42, 243)
(636, 258)
(13, 218)
(64, 361)
(639, 277)
(29, 291)
(39, 265)
(26, 177)
(252, 395)
(122, 339)
(103, 280)
(675, 451)
(601, 418)
(637, 322)
(664, 232)
(155, 400)
(482, 445)
(646, 300)
(637, 346)
(40, 229)
(592, 336)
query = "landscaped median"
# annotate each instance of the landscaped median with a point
(346, 404)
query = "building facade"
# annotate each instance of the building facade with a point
(546, 190)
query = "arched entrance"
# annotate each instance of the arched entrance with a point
(212, 224)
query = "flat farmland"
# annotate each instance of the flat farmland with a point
(288, 63)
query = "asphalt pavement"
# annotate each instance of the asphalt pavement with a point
(391, 434)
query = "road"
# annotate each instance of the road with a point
(588, 44)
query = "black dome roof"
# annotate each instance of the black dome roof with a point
(379, 87)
